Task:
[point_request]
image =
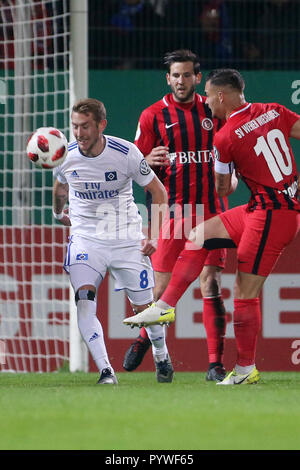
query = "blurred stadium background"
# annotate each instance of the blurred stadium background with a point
(125, 42)
(245, 34)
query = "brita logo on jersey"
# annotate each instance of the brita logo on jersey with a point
(200, 156)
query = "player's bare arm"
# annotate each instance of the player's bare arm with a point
(158, 156)
(225, 183)
(60, 198)
(295, 130)
(158, 212)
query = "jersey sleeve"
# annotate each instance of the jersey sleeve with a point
(287, 118)
(224, 163)
(222, 156)
(58, 174)
(138, 168)
(145, 138)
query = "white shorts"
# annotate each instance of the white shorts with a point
(128, 266)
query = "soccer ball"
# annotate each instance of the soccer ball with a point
(47, 147)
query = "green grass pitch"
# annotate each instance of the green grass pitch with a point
(64, 411)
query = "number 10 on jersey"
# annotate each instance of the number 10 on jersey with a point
(273, 155)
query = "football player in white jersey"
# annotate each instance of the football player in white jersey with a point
(106, 228)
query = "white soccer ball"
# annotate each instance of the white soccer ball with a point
(47, 147)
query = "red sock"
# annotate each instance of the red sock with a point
(143, 333)
(187, 268)
(247, 323)
(214, 320)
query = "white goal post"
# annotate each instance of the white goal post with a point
(78, 89)
(40, 78)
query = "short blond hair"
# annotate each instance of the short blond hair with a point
(90, 106)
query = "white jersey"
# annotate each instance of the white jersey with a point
(101, 203)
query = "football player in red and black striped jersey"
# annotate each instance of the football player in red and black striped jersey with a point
(175, 135)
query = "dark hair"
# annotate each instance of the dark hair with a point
(90, 105)
(182, 55)
(226, 77)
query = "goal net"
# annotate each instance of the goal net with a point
(34, 92)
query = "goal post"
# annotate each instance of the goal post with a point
(78, 89)
(38, 84)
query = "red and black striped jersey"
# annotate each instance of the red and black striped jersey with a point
(187, 129)
(256, 139)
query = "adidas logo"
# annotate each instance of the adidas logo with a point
(75, 174)
(95, 336)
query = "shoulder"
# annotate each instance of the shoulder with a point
(201, 98)
(265, 107)
(72, 146)
(223, 134)
(118, 144)
(269, 111)
(203, 109)
(73, 153)
(133, 161)
(122, 146)
(201, 103)
(156, 107)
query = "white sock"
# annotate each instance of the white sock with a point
(161, 304)
(243, 370)
(157, 337)
(92, 333)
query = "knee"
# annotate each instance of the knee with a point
(84, 294)
(248, 286)
(210, 285)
